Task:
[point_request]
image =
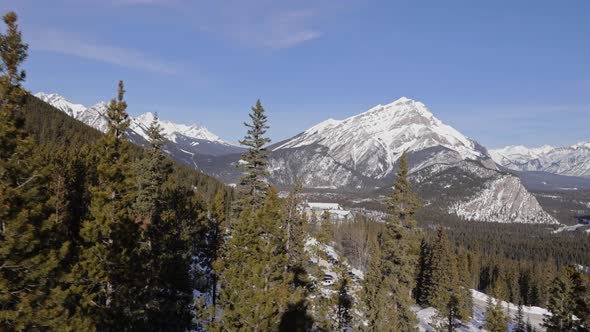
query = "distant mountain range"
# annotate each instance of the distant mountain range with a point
(451, 172)
(571, 160)
(186, 140)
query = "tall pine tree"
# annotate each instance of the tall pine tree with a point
(106, 275)
(254, 284)
(398, 249)
(561, 305)
(253, 182)
(27, 257)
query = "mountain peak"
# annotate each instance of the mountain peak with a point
(171, 129)
(61, 103)
(379, 136)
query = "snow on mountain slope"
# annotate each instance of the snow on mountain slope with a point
(372, 142)
(190, 139)
(61, 103)
(571, 160)
(171, 129)
(503, 200)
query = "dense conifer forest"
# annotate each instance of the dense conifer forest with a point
(98, 234)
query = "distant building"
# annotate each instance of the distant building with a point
(337, 213)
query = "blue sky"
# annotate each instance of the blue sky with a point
(501, 72)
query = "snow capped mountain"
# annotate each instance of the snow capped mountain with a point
(171, 129)
(571, 160)
(184, 140)
(451, 172)
(372, 142)
(61, 103)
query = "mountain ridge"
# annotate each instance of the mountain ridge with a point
(572, 160)
(191, 139)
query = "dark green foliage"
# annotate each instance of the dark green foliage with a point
(109, 256)
(561, 306)
(87, 240)
(520, 325)
(253, 182)
(447, 287)
(172, 223)
(568, 298)
(423, 280)
(520, 260)
(24, 259)
(390, 277)
(441, 267)
(152, 172)
(495, 319)
(252, 276)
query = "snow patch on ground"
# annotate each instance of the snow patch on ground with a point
(568, 228)
(534, 314)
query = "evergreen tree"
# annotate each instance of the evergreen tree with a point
(375, 295)
(296, 318)
(182, 242)
(463, 288)
(253, 182)
(495, 319)
(106, 275)
(561, 306)
(27, 257)
(453, 311)
(441, 279)
(423, 281)
(216, 238)
(520, 325)
(254, 285)
(581, 298)
(295, 234)
(164, 248)
(152, 172)
(398, 248)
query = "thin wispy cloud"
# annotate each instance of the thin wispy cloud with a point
(69, 44)
(287, 29)
(254, 23)
(257, 23)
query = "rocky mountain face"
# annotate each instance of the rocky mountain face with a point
(571, 160)
(368, 145)
(185, 141)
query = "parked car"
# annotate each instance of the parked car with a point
(328, 280)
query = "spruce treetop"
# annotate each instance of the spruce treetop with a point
(13, 52)
(404, 202)
(117, 115)
(253, 182)
(155, 135)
